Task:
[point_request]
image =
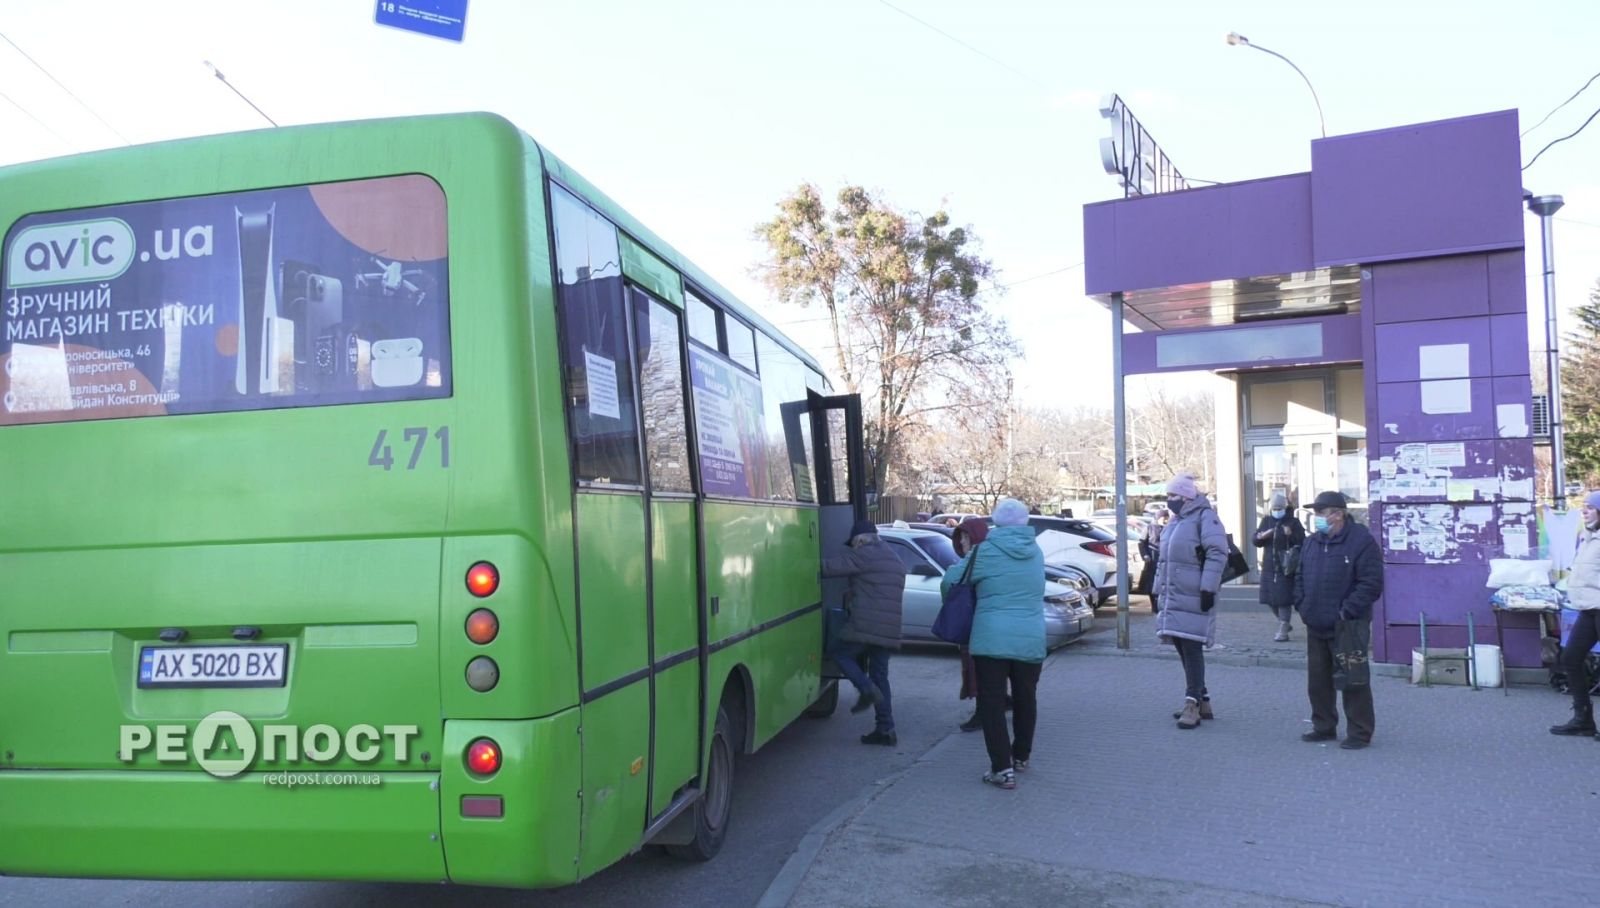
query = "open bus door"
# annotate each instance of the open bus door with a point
(840, 466)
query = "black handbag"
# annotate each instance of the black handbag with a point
(1235, 568)
(1289, 561)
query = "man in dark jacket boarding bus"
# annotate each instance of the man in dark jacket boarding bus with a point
(877, 584)
(1340, 576)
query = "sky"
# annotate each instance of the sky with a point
(699, 115)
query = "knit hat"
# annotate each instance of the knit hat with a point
(1010, 513)
(1182, 486)
(1593, 500)
(1279, 500)
(975, 529)
(863, 527)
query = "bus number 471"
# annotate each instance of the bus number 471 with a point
(416, 438)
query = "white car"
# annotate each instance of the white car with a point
(1077, 544)
(927, 554)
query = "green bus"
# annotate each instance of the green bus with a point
(384, 502)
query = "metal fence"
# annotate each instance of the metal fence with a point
(889, 508)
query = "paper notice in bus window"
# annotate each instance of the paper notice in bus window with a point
(601, 374)
(335, 293)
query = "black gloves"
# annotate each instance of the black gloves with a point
(1207, 601)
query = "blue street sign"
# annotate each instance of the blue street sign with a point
(445, 19)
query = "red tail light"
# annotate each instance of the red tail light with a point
(483, 757)
(482, 626)
(483, 579)
(1101, 548)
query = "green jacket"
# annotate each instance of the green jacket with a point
(1009, 575)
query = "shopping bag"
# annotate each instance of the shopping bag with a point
(954, 623)
(1352, 641)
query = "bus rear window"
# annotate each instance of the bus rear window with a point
(334, 293)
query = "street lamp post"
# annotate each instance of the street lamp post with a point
(1546, 206)
(1237, 39)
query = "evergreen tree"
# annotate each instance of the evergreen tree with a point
(1580, 393)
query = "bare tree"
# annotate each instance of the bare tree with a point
(1174, 433)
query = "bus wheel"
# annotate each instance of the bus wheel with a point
(712, 811)
(826, 704)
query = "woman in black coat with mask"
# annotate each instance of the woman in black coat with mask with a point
(1279, 537)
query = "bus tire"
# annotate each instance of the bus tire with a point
(827, 703)
(713, 810)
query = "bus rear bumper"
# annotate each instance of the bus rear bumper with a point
(188, 825)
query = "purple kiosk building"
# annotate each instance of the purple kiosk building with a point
(1371, 319)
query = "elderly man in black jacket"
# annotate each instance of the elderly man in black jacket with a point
(877, 585)
(1341, 575)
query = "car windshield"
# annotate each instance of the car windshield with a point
(938, 548)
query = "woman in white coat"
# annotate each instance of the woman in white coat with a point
(1583, 594)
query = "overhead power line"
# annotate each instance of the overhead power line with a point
(982, 53)
(29, 114)
(1562, 139)
(1561, 105)
(1037, 277)
(81, 103)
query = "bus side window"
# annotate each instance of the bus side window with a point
(594, 326)
(661, 394)
(741, 342)
(783, 382)
(702, 321)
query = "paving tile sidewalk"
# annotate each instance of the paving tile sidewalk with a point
(1245, 629)
(1461, 799)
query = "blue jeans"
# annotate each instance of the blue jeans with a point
(848, 653)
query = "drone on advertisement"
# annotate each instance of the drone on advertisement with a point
(392, 278)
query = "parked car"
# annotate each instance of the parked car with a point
(1133, 531)
(928, 553)
(1073, 542)
(1065, 574)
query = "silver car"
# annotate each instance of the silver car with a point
(927, 553)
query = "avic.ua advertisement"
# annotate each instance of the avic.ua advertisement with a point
(335, 293)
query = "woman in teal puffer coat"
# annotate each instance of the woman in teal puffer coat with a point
(1007, 643)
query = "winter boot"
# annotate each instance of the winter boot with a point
(1205, 711)
(1190, 717)
(1581, 723)
(1283, 632)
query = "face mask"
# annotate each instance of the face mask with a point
(1320, 523)
(1278, 514)
(1174, 505)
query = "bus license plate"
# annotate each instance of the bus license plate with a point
(214, 666)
